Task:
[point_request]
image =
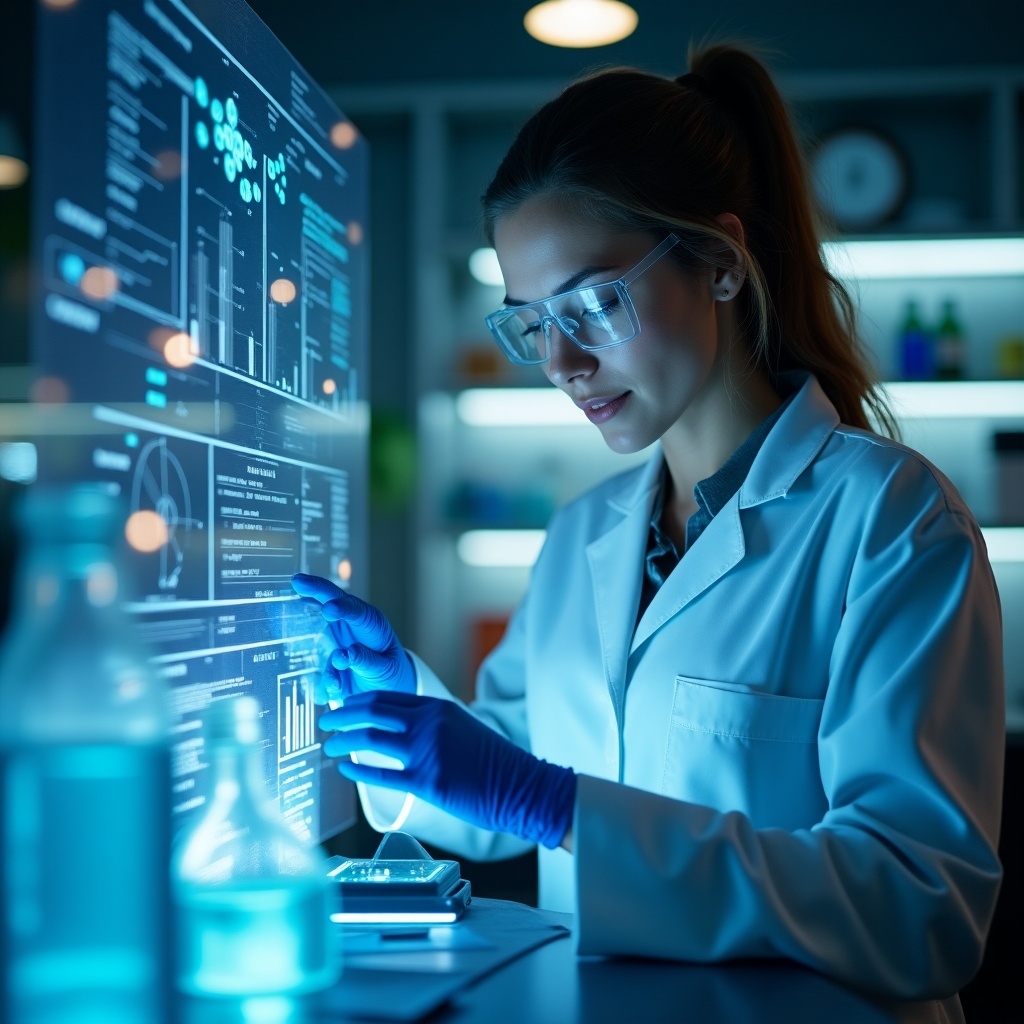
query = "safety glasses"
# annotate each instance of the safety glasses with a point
(594, 317)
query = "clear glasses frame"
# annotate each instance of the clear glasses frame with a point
(594, 317)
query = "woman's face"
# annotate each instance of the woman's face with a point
(635, 391)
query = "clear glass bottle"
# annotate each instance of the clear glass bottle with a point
(85, 804)
(253, 902)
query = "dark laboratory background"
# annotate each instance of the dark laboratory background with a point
(439, 91)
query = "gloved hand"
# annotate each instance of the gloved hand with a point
(455, 761)
(367, 655)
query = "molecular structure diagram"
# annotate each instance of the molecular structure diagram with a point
(275, 172)
(237, 156)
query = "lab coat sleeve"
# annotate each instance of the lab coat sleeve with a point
(893, 891)
(501, 703)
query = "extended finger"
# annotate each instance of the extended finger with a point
(373, 667)
(368, 624)
(316, 587)
(333, 685)
(380, 741)
(340, 633)
(326, 687)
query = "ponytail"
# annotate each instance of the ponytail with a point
(671, 155)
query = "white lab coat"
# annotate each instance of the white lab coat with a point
(798, 753)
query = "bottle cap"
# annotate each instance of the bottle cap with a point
(233, 719)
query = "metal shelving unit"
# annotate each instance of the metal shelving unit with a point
(457, 133)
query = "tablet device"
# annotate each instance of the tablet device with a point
(376, 891)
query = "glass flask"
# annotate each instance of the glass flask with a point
(253, 902)
(85, 797)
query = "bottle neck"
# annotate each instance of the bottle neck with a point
(237, 775)
(55, 577)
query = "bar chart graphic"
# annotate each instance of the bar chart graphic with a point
(296, 732)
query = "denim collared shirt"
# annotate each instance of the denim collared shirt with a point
(711, 494)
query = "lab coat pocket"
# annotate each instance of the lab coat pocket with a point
(734, 749)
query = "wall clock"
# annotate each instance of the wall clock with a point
(860, 176)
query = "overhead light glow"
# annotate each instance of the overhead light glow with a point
(344, 135)
(516, 407)
(146, 531)
(961, 399)
(580, 23)
(13, 168)
(500, 548)
(398, 917)
(483, 265)
(519, 548)
(1004, 543)
(895, 259)
(49, 391)
(178, 350)
(18, 461)
(99, 283)
(13, 172)
(542, 407)
(283, 291)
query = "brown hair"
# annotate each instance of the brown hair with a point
(643, 151)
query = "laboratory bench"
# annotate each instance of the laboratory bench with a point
(549, 984)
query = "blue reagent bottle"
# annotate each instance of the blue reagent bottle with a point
(85, 792)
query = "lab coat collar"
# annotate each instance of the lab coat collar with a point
(794, 441)
(639, 488)
(617, 595)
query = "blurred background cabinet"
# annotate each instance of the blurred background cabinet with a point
(499, 449)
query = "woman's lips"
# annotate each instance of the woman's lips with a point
(597, 412)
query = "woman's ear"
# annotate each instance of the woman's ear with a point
(727, 281)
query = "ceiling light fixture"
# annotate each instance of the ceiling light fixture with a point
(580, 23)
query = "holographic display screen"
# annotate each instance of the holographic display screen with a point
(201, 332)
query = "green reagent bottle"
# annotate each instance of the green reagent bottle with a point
(949, 345)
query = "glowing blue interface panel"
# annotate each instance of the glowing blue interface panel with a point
(201, 249)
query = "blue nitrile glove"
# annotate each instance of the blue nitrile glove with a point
(367, 656)
(455, 761)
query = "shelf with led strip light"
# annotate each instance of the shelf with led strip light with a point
(518, 549)
(984, 274)
(861, 261)
(916, 405)
(959, 259)
(876, 259)
(547, 406)
(485, 423)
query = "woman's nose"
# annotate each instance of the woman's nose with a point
(566, 360)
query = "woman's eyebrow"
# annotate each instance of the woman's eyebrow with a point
(567, 285)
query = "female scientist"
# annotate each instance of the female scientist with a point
(752, 702)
